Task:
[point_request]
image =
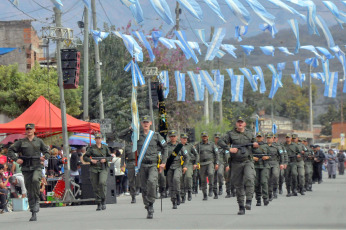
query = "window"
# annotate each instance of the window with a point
(28, 66)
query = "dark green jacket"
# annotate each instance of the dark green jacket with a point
(129, 157)
(94, 151)
(177, 160)
(207, 153)
(261, 150)
(192, 153)
(276, 155)
(26, 148)
(292, 151)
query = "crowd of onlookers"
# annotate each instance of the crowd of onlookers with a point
(12, 180)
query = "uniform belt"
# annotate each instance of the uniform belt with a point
(239, 160)
(205, 160)
(148, 162)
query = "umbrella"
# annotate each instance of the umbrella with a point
(76, 142)
(12, 137)
(85, 138)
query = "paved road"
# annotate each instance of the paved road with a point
(324, 208)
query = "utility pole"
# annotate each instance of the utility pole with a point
(220, 103)
(86, 65)
(311, 118)
(151, 104)
(68, 196)
(211, 106)
(97, 63)
(177, 15)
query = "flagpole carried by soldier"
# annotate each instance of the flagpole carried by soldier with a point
(31, 161)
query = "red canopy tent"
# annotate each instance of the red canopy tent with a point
(47, 120)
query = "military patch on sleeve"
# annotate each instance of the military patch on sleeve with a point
(280, 151)
(185, 152)
(216, 149)
(163, 141)
(226, 151)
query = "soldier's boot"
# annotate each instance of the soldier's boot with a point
(334, 176)
(210, 191)
(329, 176)
(189, 196)
(248, 205)
(98, 207)
(175, 204)
(194, 190)
(133, 200)
(33, 216)
(270, 196)
(178, 199)
(183, 198)
(137, 191)
(228, 194)
(103, 204)
(150, 211)
(310, 187)
(294, 191)
(241, 210)
(280, 189)
(258, 202)
(265, 202)
(220, 190)
(302, 191)
(289, 194)
(205, 196)
(275, 194)
(215, 195)
(233, 193)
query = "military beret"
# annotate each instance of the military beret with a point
(217, 134)
(98, 135)
(294, 135)
(288, 135)
(204, 134)
(259, 134)
(183, 135)
(270, 135)
(172, 133)
(146, 118)
(30, 126)
(241, 119)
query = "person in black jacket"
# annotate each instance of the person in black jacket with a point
(53, 169)
(317, 165)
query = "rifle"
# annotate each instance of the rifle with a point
(100, 158)
(242, 148)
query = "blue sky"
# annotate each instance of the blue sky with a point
(119, 15)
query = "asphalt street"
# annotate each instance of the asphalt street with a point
(324, 208)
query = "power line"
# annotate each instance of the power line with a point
(105, 13)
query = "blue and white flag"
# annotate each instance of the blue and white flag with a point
(193, 7)
(164, 79)
(208, 81)
(261, 11)
(135, 9)
(237, 88)
(196, 86)
(325, 52)
(311, 19)
(135, 120)
(218, 84)
(340, 17)
(200, 33)
(257, 125)
(312, 61)
(239, 11)
(344, 2)
(180, 81)
(271, 28)
(156, 35)
(295, 27)
(327, 34)
(298, 79)
(187, 54)
(136, 73)
(250, 78)
(276, 81)
(247, 49)
(230, 49)
(57, 3)
(285, 50)
(312, 49)
(325, 65)
(201, 86)
(220, 54)
(168, 43)
(240, 31)
(99, 36)
(215, 44)
(341, 57)
(195, 47)
(86, 3)
(286, 7)
(330, 87)
(144, 41)
(260, 76)
(214, 5)
(132, 46)
(162, 9)
(268, 50)
(15, 2)
(274, 129)
(318, 76)
(230, 73)
(182, 38)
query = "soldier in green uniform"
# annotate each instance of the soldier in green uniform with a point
(291, 173)
(176, 169)
(300, 163)
(30, 149)
(186, 183)
(208, 155)
(223, 159)
(308, 160)
(276, 163)
(282, 172)
(98, 170)
(262, 167)
(242, 166)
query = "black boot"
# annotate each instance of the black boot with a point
(178, 199)
(189, 196)
(294, 191)
(302, 191)
(258, 202)
(334, 176)
(215, 195)
(194, 190)
(150, 211)
(98, 207)
(103, 204)
(133, 200)
(183, 198)
(280, 190)
(329, 176)
(241, 210)
(248, 205)
(205, 196)
(289, 194)
(275, 194)
(270, 197)
(33, 216)
(265, 202)
(210, 191)
(233, 193)
(175, 204)
(220, 190)
(137, 191)
(228, 194)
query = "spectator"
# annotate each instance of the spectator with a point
(53, 163)
(341, 159)
(3, 157)
(7, 172)
(317, 165)
(15, 168)
(3, 190)
(74, 164)
(332, 161)
(83, 151)
(118, 171)
(17, 185)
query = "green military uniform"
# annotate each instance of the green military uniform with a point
(98, 171)
(276, 159)
(186, 183)
(242, 166)
(285, 158)
(262, 172)
(291, 173)
(300, 165)
(30, 152)
(208, 156)
(219, 175)
(308, 161)
(174, 173)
